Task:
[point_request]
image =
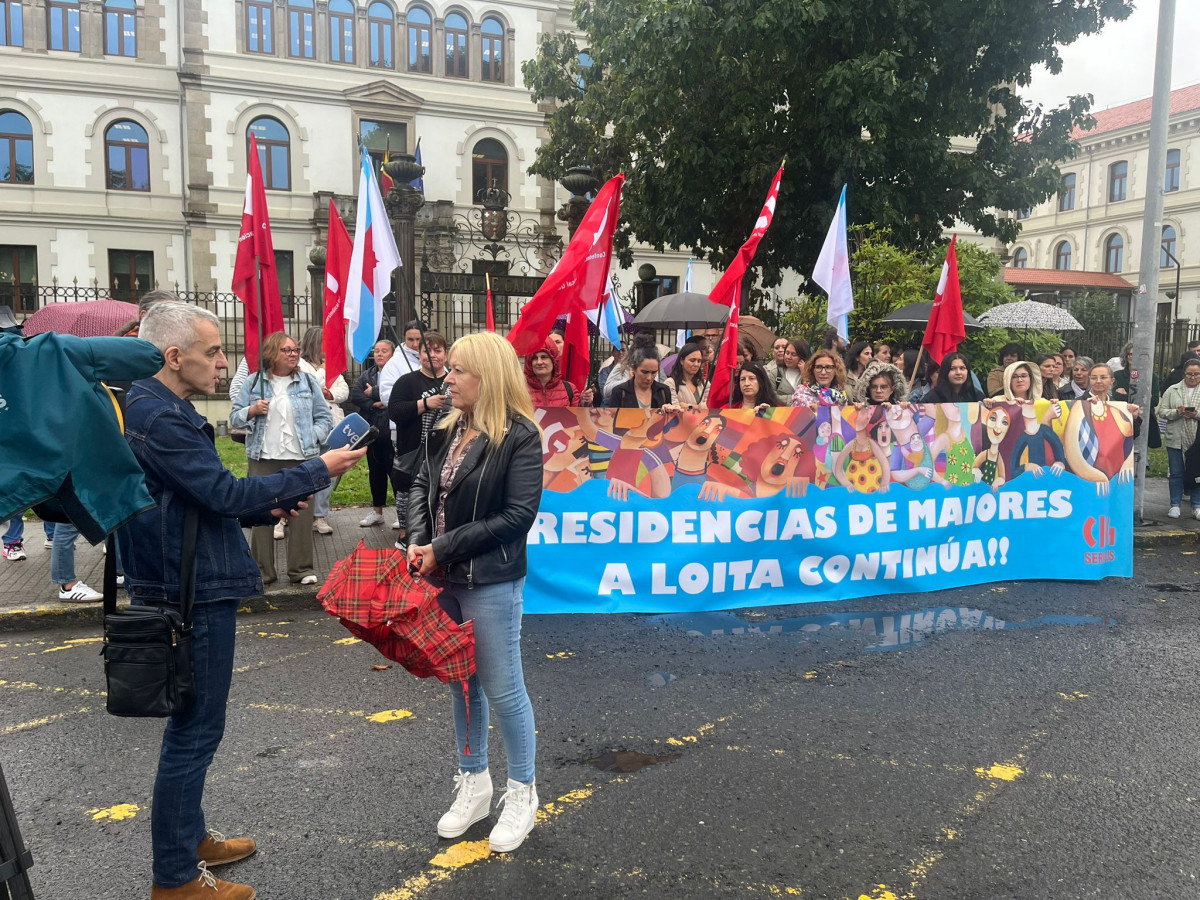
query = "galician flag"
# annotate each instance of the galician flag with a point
(372, 262)
(607, 317)
(832, 272)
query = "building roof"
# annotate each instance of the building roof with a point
(1058, 279)
(1126, 115)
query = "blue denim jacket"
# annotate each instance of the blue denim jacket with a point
(174, 445)
(314, 421)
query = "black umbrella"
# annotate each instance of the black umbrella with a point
(916, 317)
(683, 310)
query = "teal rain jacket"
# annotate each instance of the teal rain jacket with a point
(60, 436)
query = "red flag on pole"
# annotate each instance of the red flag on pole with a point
(338, 248)
(728, 292)
(255, 281)
(945, 329)
(491, 318)
(575, 286)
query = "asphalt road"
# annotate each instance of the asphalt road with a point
(1040, 744)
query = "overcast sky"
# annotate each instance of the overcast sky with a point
(1117, 65)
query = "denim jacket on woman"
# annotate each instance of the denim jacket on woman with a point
(313, 418)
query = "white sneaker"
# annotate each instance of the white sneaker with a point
(120, 581)
(309, 579)
(14, 551)
(80, 593)
(320, 526)
(48, 543)
(473, 803)
(520, 804)
(1173, 512)
(396, 525)
(280, 532)
(1196, 512)
(372, 518)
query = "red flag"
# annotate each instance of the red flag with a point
(575, 286)
(255, 281)
(945, 330)
(491, 318)
(338, 248)
(728, 292)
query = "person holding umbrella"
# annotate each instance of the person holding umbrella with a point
(471, 506)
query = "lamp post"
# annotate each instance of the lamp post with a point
(1173, 296)
(580, 181)
(403, 202)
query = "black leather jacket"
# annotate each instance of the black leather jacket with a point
(490, 507)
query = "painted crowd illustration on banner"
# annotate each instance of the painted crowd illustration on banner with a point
(645, 511)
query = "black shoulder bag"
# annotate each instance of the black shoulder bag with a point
(148, 649)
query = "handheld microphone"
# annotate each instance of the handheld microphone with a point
(348, 432)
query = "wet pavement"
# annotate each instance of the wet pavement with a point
(1016, 740)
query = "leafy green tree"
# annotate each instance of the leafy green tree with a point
(697, 101)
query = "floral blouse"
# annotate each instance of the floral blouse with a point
(449, 469)
(808, 394)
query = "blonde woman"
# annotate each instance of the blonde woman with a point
(470, 508)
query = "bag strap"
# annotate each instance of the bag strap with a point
(187, 568)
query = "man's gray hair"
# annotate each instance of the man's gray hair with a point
(172, 323)
(1084, 361)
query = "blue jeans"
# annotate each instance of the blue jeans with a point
(321, 503)
(62, 557)
(189, 742)
(498, 680)
(16, 530)
(1175, 468)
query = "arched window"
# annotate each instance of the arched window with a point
(1114, 253)
(274, 152)
(1066, 193)
(1118, 181)
(1172, 180)
(493, 50)
(1020, 258)
(341, 31)
(1169, 257)
(300, 28)
(420, 40)
(456, 46)
(489, 166)
(62, 25)
(16, 148)
(381, 24)
(127, 156)
(1062, 256)
(120, 28)
(260, 26)
(12, 24)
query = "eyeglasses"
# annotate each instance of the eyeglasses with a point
(824, 368)
(290, 351)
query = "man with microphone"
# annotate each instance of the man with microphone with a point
(175, 446)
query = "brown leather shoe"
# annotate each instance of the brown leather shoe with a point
(206, 887)
(216, 851)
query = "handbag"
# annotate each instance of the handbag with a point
(148, 649)
(409, 464)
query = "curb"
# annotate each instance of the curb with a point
(1153, 538)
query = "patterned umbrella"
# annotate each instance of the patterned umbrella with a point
(1030, 314)
(86, 318)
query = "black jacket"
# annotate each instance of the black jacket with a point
(376, 416)
(490, 507)
(624, 395)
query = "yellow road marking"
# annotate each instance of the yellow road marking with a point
(562, 654)
(45, 720)
(34, 686)
(291, 707)
(1001, 771)
(72, 644)
(271, 634)
(118, 813)
(390, 715)
(241, 670)
(348, 641)
(461, 854)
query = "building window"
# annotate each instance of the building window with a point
(274, 152)
(1020, 258)
(300, 29)
(493, 50)
(1118, 181)
(12, 24)
(260, 27)
(1066, 194)
(341, 31)
(1114, 253)
(16, 149)
(62, 25)
(381, 23)
(381, 137)
(287, 282)
(1172, 180)
(1062, 256)
(127, 156)
(130, 273)
(18, 277)
(489, 166)
(420, 40)
(1024, 213)
(1169, 258)
(120, 28)
(456, 46)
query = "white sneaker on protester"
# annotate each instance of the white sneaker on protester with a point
(520, 804)
(15, 551)
(280, 532)
(372, 518)
(1196, 513)
(473, 803)
(396, 525)
(48, 543)
(80, 593)
(320, 526)
(1173, 512)
(309, 579)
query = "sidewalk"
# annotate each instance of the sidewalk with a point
(28, 599)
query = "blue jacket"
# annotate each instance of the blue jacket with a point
(314, 420)
(175, 446)
(59, 432)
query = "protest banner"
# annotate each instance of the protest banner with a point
(718, 509)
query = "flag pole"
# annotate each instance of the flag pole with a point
(262, 391)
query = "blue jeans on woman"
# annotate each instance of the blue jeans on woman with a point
(62, 557)
(16, 530)
(1175, 466)
(191, 738)
(499, 679)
